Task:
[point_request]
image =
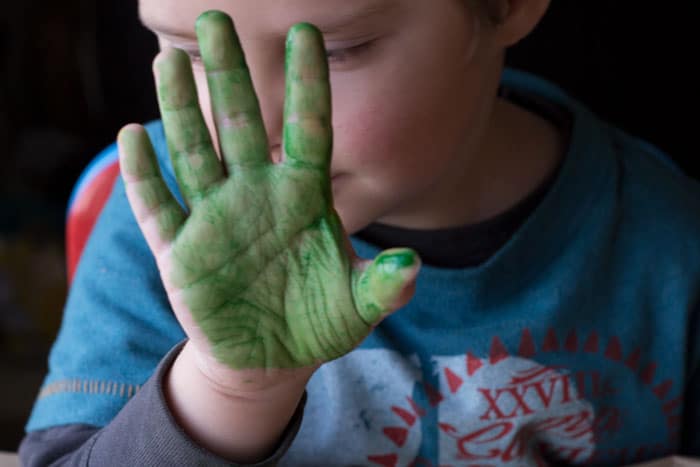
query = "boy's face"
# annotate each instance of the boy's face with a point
(412, 84)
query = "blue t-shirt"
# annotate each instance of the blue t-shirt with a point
(577, 340)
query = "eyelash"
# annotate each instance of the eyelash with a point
(195, 56)
(345, 54)
(339, 56)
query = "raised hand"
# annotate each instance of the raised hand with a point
(259, 270)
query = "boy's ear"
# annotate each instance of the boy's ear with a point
(515, 19)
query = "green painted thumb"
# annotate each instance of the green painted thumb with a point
(386, 284)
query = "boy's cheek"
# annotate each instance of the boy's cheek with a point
(395, 141)
(372, 126)
(365, 139)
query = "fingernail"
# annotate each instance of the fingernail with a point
(397, 260)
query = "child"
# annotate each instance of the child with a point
(237, 323)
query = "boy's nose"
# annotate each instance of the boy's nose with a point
(267, 73)
(272, 118)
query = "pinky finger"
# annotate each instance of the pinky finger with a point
(157, 212)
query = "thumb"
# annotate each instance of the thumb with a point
(386, 284)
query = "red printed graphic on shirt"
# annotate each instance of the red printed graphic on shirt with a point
(508, 409)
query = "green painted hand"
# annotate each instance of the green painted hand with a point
(259, 271)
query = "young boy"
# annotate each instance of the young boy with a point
(518, 236)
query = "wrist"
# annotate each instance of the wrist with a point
(238, 423)
(248, 385)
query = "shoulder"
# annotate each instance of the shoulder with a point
(654, 192)
(650, 188)
(652, 176)
(656, 206)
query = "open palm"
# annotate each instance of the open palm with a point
(259, 271)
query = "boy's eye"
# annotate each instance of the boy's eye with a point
(338, 55)
(195, 56)
(344, 54)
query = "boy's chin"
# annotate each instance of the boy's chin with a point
(352, 220)
(355, 210)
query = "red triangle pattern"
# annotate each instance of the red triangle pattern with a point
(453, 381)
(591, 344)
(632, 361)
(397, 434)
(387, 460)
(672, 405)
(551, 343)
(614, 350)
(527, 344)
(662, 389)
(498, 351)
(417, 409)
(407, 416)
(473, 364)
(647, 374)
(434, 396)
(447, 428)
(571, 342)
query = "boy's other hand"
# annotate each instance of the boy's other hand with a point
(259, 270)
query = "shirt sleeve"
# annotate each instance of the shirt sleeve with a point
(691, 415)
(690, 441)
(143, 433)
(117, 323)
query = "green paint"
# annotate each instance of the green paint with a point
(260, 260)
(398, 260)
(307, 108)
(381, 283)
(189, 142)
(235, 106)
(150, 188)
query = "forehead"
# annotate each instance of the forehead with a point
(265, 16)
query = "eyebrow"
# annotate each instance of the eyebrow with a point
(369, 12)
(339, 23)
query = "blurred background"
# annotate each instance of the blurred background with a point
(73, 72)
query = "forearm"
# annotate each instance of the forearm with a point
(143, 433)
(244, 428)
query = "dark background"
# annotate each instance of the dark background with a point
(73, 72)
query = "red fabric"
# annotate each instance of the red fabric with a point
(84, 212)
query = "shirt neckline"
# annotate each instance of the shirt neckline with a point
(586, 172)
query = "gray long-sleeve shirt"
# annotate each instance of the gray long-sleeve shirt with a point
(143, 433)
